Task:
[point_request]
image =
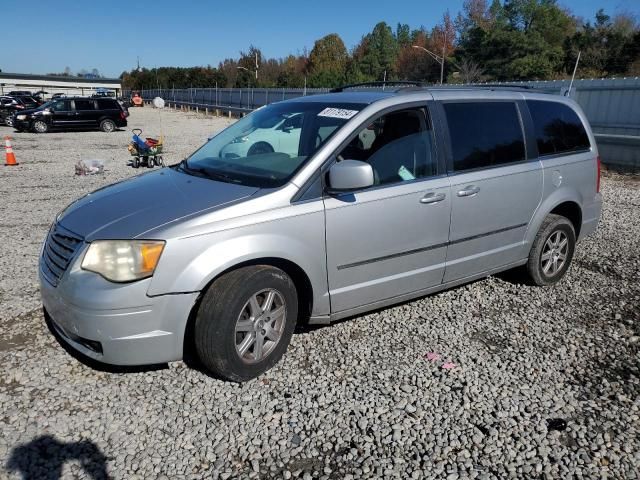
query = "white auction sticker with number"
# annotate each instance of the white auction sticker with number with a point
(337, 113)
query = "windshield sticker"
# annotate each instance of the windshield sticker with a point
(337, 113)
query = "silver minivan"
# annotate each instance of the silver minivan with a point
(316, 209)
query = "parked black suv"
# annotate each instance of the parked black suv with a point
(73, 113)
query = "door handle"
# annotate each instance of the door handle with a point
(431, 197)
(469, 191)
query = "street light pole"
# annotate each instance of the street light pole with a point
(437, 58)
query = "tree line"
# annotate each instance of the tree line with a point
(486, 41)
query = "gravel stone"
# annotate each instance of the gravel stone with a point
(360, 392)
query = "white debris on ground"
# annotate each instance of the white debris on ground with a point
(493, 379)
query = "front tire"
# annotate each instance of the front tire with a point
(245, 322)
(40, 126)
(552, 250)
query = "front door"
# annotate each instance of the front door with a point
(494, 188)
(62, 115)
(390, 239)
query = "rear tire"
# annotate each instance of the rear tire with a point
(552, 250)
(107, 125)
(135, 163)
(39, 126)
(245, 322)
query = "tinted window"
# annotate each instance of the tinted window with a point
(398, 146)
(484, 134)
(558, 128)
(105, 104)
(84, 105)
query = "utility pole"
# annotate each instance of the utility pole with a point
(256, 68)
(444, 45)
(575, 68)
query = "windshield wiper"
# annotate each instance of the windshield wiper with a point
(205, 172)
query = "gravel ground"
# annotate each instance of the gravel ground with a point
(545, 381)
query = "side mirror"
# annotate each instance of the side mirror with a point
(48, 110)
(349, 175)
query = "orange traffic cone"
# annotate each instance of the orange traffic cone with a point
(11, 158)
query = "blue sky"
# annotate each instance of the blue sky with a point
(110, 35)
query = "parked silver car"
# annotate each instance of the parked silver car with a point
(390, 195)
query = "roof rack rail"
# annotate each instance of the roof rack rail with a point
(376, 84)
(499, 85)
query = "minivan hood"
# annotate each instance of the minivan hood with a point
(132, 207)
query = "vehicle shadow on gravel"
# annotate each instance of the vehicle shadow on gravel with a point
(96, 365)
(44, 457)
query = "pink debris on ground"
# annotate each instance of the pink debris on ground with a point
(432, 356)
(448, 365)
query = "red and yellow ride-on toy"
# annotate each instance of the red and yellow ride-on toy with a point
(137, 100)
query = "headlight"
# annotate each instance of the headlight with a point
(123, 260)
(240, 140)
(21, 117)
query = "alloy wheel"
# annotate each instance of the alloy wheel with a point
(554, 253)
(260, 325)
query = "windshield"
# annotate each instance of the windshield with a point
(267, 147)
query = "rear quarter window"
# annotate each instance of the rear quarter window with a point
(107, 104)
(558, 128)
(484, 134)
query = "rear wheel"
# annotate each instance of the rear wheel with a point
(245, 322)
(135, 163)
(107, 125)
(150, 162)
(40, 126)
(552, 250)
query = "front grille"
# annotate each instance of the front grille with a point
(59, 249)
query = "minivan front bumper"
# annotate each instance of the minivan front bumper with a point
(151, 332)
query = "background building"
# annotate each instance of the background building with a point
(57, 84)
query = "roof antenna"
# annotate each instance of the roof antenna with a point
(575, 68)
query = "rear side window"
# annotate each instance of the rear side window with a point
(484, 134)
(84, 105)
(558, 128)
(106, 104)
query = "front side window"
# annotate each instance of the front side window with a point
(398, 146)
(267, 147)
(60, 106)
(484, 134)
(558, 128)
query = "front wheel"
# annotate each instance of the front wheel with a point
(40, 126)
(245, 322)
(552, 250)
